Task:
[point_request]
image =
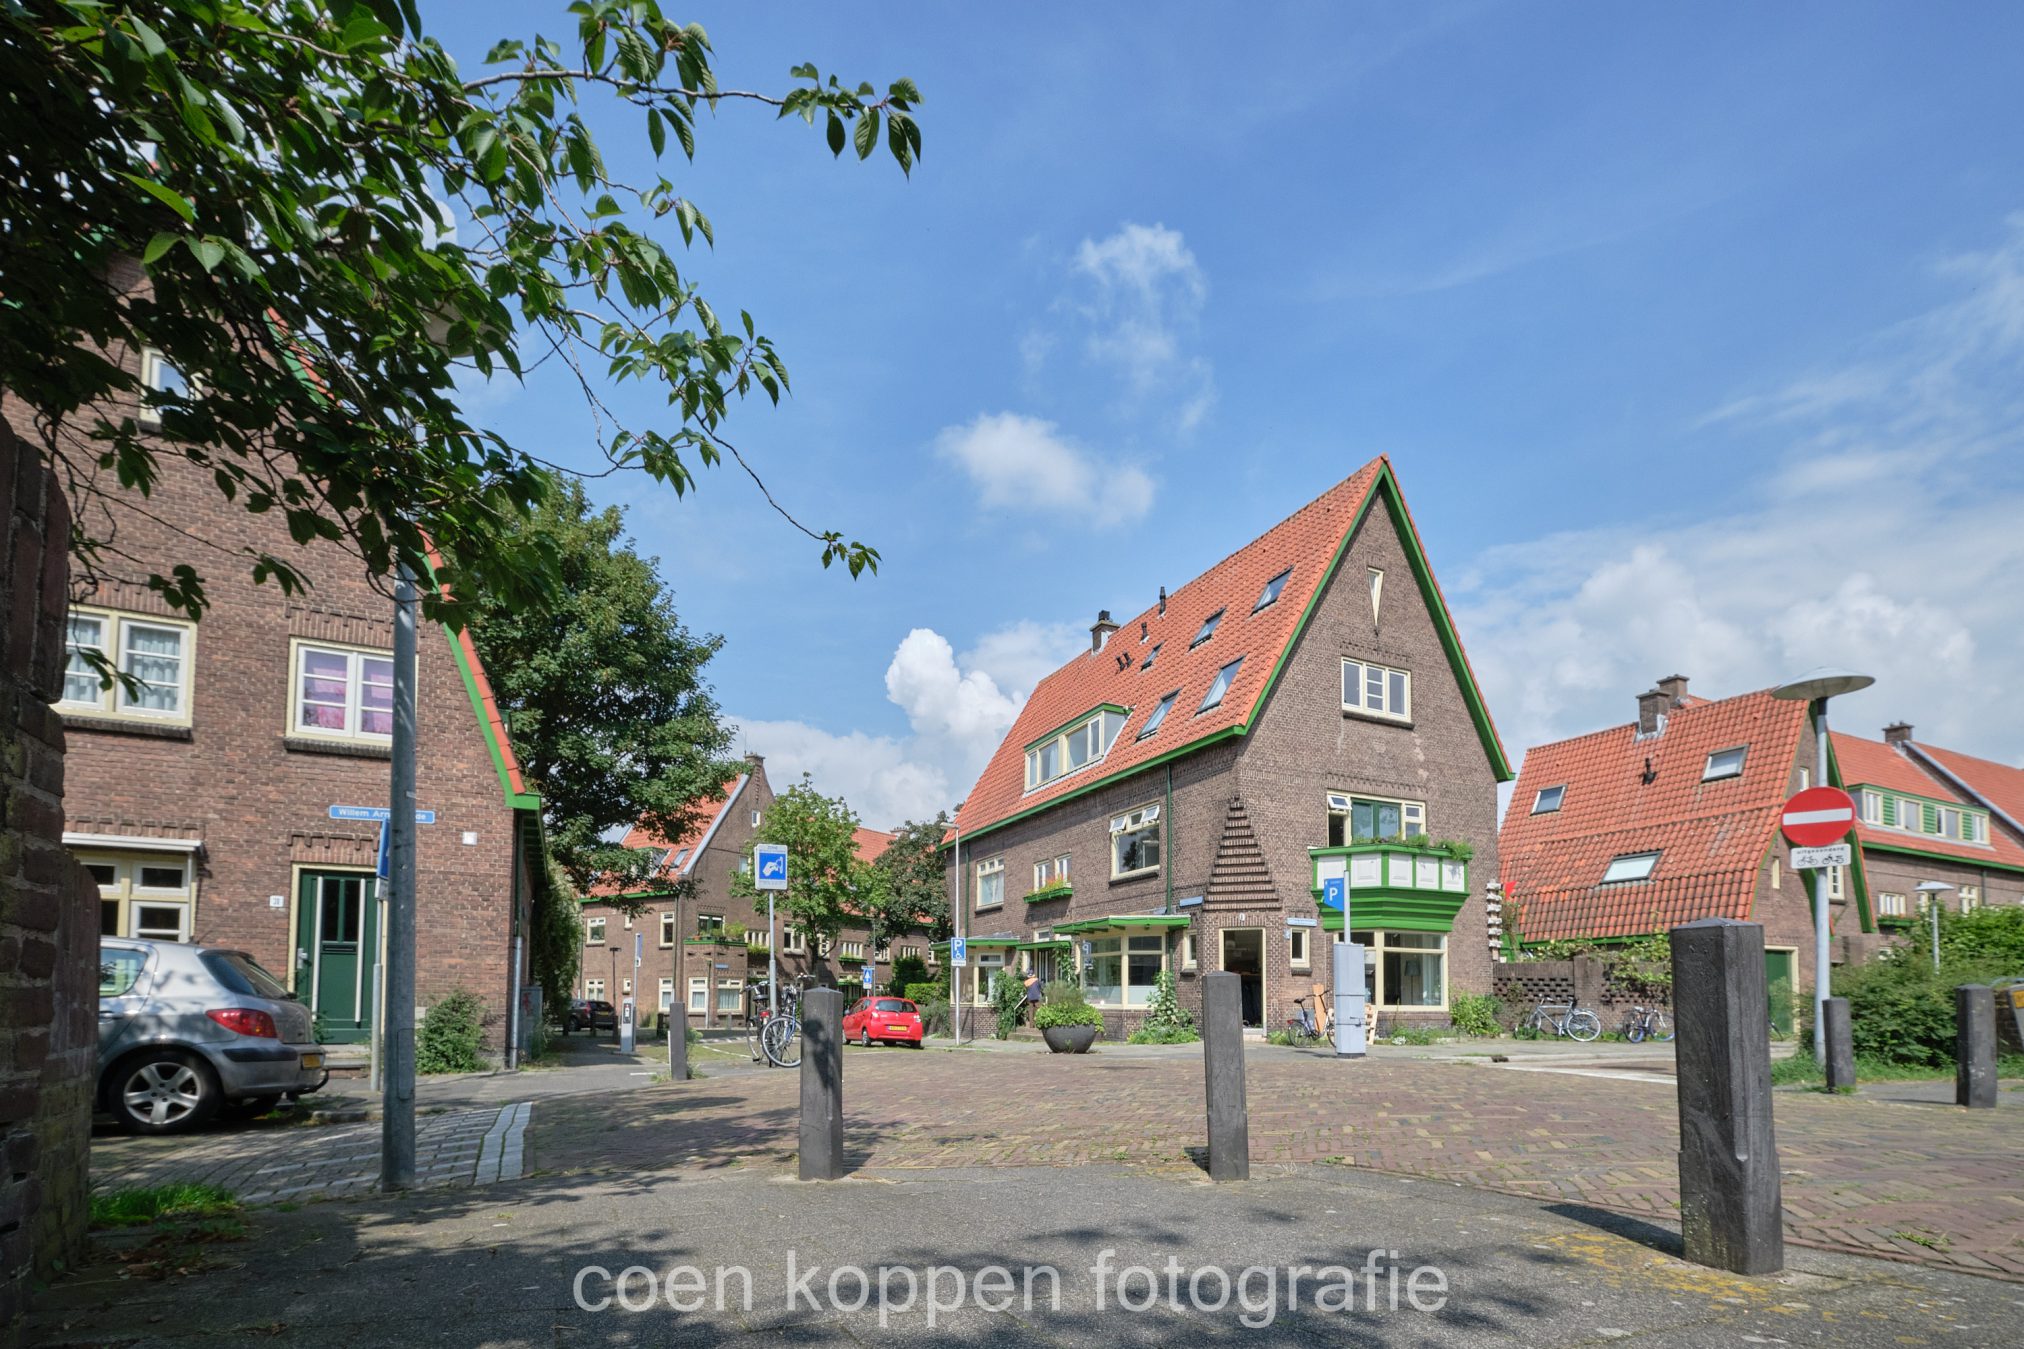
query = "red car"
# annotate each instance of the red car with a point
(893, 1019)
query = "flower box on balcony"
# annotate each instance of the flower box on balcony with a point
(1062, 891)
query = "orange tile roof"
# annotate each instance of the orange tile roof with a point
(1710, 836)
(870, 843)
(1872, 763)
(688, 847)
(2000, 786)
(1306, 542)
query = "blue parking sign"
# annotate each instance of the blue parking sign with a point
(769, 866)
(959, 953)
(1335, 892)
(867, 978)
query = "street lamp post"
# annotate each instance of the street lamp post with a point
(397, 1031)
(1932, 890)
(1816, 688)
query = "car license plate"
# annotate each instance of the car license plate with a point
(312, 1060)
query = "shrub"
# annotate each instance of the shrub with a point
(1065, 1006)
(922, 993)
(1901, 1011)
(1476, 1013)
(1008, 991)
(908, 972)
(450, 1034)
(1167, 1022)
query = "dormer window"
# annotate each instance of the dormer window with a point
(1208, 629)
(1725, 763)
(1272, 589)
(1074, 746)
(1548, 800)
(1635, 866)
(1221, 685)
(1159, 715)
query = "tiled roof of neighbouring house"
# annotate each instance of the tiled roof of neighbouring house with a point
(1306, 547)
(1710, 836)
(1872, 763)
(870, 843)
(679, 858)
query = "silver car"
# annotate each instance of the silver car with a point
(185, 1031)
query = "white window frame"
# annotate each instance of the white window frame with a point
(1380, 945)
(593, 990)
(354, 691)
(1872, 807)
(1412, 814)
(734, 987)
(113, 702)
(850, 950)
(1299, 949)
(594, 930)
(1711, 772)
(1151, 656)
(793, 941)
(668, 933)
(1219, 687)
(1376, 593)
(1186, 955)
(1049, 872)
(1891, 904)
(699, 995)
(1624, 868)
(1539, 804)
(130, 892)
(1837, 882)
(1971, 898)
(1144, 819)
(1361, 704)
(1092, 735)
(667, 991)
(153, 363)
(989, 869)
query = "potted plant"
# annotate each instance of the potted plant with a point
(1066, 1020)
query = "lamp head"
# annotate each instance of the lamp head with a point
(1822, 683)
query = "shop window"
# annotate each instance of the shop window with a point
(1404, 969)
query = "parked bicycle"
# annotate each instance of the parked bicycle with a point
(1647, 1023)
(1301, 1028)
(1560, 1018)
(773, 1037)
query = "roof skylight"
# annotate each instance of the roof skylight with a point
(1272, 589)
(1208, 629)
(1221, 685)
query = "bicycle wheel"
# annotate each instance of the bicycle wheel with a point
(1634, 1029)
(1583, 1025)
(1660, 1027)
(782, 1041)
(752, 1037)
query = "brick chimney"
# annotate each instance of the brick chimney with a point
(1897, 733)
(1675, 688)
(1100, 631)
(1651, 711)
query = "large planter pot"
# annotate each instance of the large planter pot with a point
(1069, 1039)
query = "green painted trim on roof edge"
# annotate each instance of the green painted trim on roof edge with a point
(516, 800)
(629, 895)
(1076, 721)
(1060, 944)
(1387, 910)
(1983, 863)
(993, 943)
(1429, 594)
(1125, 920)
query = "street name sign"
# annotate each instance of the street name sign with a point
(1817, 817)
(377, 813)
(1833, 855)
(769, 866)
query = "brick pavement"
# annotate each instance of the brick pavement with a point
(1926, 1183)
(283, 1161)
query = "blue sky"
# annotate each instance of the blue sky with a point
(1694, 335)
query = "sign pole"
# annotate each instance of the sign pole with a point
(772, 959)
(1823, 960)
(397, 1109)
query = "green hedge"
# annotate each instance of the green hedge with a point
(1901, 1011)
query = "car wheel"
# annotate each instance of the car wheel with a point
(250, 1107)
(865, 1038)
(166, 1092)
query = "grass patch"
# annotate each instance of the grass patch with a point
(1801, 1071)
(135, 1206)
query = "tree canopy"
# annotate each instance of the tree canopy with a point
(334, 222)
(603, 692)
(917, 887)
(827, 884)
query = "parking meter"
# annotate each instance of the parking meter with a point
(625, 1026)
(1350, 997)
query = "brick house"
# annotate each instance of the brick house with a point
(1929, 814)
(706, 949)
(1173, 798)
(1629, 831)
(225, 800)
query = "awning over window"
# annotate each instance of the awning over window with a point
(1119, 922)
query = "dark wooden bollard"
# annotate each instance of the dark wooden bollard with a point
(1975, 1047)
(1731, 1200)
(1840, 1067)
(822, 1084)
(1223, 1072)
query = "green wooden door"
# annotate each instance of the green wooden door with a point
(1779, 987)
(337, 940)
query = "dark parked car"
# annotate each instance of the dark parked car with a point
(186, 1031)
(589, 1014)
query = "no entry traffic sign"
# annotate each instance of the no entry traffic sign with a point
(1818, 816)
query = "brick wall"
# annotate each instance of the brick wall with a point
(48, 908)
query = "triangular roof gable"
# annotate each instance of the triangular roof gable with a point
(1862, 762)
(1312, 543)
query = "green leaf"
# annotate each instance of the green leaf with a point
(210, 252)
(867, 134)
(175, 200)
(657, 134)
(836, 137)
(157, 246)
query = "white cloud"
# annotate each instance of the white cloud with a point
(1024, 463)
(958, 708)
(1885, 539)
